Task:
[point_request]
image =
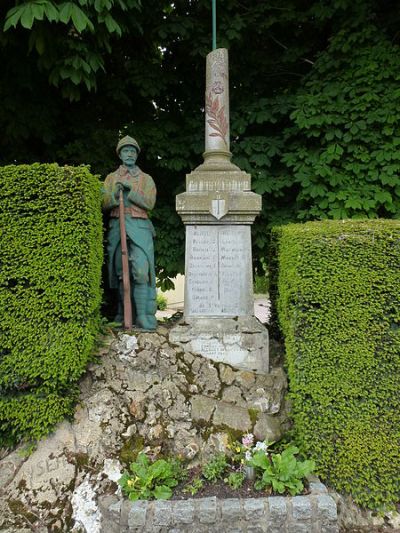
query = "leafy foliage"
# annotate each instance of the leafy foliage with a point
(282, 471)
(339, 310)
(50, 256)
(235, 480)
(303, 76)
(344, 145)
(149, 480)
(194, 486)
(71, 61)
(215, 468)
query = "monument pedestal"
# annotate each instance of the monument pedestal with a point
(218, 210)
(241, 342)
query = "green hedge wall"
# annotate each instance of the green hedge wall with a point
(50, 271)
(339, 310)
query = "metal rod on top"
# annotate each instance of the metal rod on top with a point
(214, 24)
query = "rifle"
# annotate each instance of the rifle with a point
(125, 265)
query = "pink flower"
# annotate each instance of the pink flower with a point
(247, 440)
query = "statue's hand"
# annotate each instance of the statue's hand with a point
(119, 186)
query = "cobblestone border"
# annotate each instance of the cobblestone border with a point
(313, 513)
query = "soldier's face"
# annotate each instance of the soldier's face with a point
(128, 155)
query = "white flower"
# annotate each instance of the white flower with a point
(261, 446)
(248, 455)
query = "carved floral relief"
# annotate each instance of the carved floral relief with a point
(217, 120)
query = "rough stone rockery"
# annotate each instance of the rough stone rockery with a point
(143, 393)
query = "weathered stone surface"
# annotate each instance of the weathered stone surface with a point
(183, 512)
(206, 376)
(233, 394)
(278, 508)
(231, 509)
(326, 508)
(47, 470)
(85, 510)
(245, 379)
(9, 467)
(234, 417)
(394, 519)
(217, 443)
(276, 514)
(99, 424)
(301, 508)
(207, 510)
(202, 408)
(137, 405)
(268, 427)
(162, 513)
(254, 508)
(227, 374)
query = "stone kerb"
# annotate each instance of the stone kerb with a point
(312, 513)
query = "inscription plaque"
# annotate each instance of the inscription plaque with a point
(218, 271)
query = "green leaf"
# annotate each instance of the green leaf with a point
(51, 12)
(65, 12)
(260, 460)
(12, 17)
(27, 16)
(80, 20)
(162, 492)
(38, 11)
(354, 203)
(112, 25)
(383, 197)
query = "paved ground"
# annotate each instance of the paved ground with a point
(261, 309)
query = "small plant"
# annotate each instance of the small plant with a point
(261, 284)
(214, 469)
(283, 471)
(235, 480)
(151, 479)
(194, 487)
(162, 302)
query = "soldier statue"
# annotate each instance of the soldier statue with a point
(139, 196)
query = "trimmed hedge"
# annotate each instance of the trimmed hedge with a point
(339, 310)
(50, 272)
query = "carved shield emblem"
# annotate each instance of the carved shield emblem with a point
(219, 208)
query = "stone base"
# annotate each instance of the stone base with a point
(241, 342)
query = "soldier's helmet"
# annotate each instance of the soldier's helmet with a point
(127, 141)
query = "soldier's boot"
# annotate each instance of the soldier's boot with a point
(141, 297)
(151, 307)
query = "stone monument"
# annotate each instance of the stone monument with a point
(218, 209)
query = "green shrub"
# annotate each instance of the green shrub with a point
(339, 310)
(50, 269)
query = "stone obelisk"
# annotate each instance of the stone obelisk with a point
(218, 209)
